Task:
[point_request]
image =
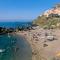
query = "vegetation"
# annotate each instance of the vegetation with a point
(10, 30)
(5, 30)
(53, 21)
(40, 20)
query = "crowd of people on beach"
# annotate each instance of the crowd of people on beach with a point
(42, 41)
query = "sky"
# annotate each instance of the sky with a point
(24, 9)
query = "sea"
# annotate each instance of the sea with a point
(14, 47)
(15, 24)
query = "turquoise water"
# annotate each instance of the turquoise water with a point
(16, 48)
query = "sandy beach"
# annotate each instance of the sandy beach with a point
(44, 47)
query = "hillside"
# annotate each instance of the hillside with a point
(50, 18)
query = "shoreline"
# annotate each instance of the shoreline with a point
(23, 47)
(42, 48)
(35, 51)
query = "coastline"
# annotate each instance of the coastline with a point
(42, 49)
(25, 51)
(35, 50)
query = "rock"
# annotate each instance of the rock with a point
(34, 53)
(55, 58)
(50, 38)
(45, 45)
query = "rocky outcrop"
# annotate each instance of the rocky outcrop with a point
(54, 10)
(6, 30)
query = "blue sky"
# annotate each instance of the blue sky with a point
(24, 9)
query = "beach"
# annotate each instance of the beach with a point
(23, 49)
(44, 47)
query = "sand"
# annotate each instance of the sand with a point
(43, 49)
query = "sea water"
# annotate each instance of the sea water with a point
(15, 24)
(14, 47)
(9, 44)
